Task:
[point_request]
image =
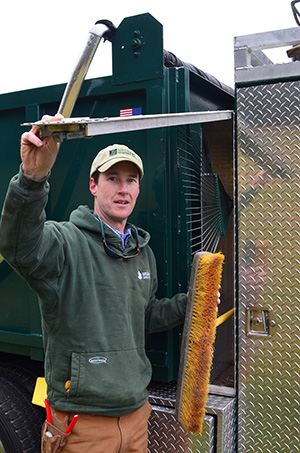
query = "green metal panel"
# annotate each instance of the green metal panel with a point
(138, 81)
(137, 50)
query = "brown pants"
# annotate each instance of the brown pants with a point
(99, 434)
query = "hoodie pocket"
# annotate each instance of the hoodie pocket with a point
(110, 378)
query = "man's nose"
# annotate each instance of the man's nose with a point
(123, 187)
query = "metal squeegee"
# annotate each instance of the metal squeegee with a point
(72, 128)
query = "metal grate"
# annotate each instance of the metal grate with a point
(207, 204)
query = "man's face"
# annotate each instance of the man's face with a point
(116, 194)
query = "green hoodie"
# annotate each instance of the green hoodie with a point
(95, 308)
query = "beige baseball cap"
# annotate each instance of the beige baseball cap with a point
(113, 154)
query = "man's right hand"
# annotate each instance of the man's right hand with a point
(38, 155)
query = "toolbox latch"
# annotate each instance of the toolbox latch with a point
(260, 322)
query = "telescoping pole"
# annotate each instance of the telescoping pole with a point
(101, 29)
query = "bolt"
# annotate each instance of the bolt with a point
(136, 43)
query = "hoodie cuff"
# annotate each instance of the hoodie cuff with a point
(26, 181)
(22, 185)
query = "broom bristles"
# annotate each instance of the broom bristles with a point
(198, 338)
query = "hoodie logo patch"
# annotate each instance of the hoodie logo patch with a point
(144, 275)
(97, 360)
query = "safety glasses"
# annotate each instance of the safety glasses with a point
(114, 254)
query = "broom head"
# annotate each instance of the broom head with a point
(197, 342)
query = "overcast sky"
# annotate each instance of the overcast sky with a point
(41, 41)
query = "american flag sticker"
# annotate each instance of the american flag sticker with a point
(131, 112)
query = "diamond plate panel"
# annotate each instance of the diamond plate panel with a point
(167, 435)
(268, 162)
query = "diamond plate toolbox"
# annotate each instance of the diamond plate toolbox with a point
(166, 435)
(268, 168)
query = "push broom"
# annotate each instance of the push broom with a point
(198, 338)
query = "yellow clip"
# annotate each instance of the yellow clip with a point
(67, 386)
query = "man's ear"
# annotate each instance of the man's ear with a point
(93, 187)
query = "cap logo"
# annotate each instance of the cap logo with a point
(114, 152)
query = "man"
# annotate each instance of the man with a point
(95, 277)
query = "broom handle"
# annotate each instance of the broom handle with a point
(224, 317)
